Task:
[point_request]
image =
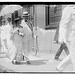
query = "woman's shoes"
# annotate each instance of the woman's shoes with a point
(24, 59)
(15, 62)
(59, 69)
(28, 62)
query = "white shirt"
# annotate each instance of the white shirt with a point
(64, 23)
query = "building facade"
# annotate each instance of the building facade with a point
(47, 17)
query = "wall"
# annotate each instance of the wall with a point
(41, 16)
(46, 40)
(45, 37)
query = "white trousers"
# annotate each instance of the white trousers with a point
(70, 59)
(64, 63)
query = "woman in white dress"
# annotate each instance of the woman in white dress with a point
(11, 49)
(18, 42)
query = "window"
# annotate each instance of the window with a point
(53, 16)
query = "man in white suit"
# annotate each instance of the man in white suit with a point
(27, 36)
(67, 35)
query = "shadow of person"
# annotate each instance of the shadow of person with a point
(36, 62)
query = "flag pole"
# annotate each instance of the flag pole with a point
(36, 40)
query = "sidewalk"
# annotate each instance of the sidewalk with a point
(44, 62)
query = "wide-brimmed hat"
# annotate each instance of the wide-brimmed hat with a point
(19, 18)
(25, 14)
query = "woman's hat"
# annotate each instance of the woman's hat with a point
(16, 19)
(3, 20)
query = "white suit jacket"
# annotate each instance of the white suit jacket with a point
(26, 31)
(67, 24)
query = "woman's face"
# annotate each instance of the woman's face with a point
(26, 18)
(18, 22)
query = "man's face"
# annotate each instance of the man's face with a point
(26, 17)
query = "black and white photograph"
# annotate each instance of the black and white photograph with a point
(37, 37)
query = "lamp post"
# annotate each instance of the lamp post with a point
(36, 40)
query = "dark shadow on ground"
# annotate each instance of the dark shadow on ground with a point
(36, 62)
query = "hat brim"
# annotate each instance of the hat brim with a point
(26, 15)
(2, 20)
(17, 19)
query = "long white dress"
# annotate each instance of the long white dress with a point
(18, 44)
(3, 38)
(11, 49)
(27, 39)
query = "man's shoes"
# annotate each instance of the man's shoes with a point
(59, 70)
(28, 62)
(58, 59)
(15, 62)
